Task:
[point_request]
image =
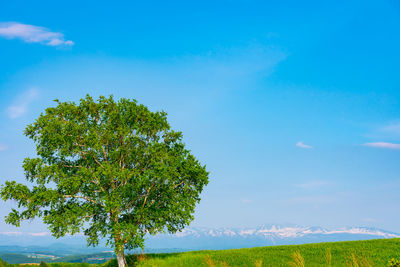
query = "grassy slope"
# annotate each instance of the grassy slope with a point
(377, 252)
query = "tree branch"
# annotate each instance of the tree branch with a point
(89, 216)
(147, 194)
(180, 183)
(72, 166)
(82, 197)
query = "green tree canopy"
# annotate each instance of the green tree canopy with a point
(110, 169)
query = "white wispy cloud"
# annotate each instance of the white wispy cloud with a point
(21, 104)
(392, 128)
(387, 131)
(10, 233)
(302, 145)
(39, 234)
(33, 34)
(383, 145)
(25, 233)
(3, 147)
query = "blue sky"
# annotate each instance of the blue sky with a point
(294, 107)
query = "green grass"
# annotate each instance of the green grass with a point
(354, 253)
(364, 253)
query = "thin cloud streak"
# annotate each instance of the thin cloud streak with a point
(39, 234)
(11, 233)
(393, 128)
(383, 145)
(21, 105)
(33, 34)
(25, 233)
(302, 145)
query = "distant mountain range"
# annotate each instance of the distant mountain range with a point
(193, 238)
(265, 235)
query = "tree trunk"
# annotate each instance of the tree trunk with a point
(121, 259)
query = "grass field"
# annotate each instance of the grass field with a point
(353, 253)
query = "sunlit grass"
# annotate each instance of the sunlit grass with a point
(354, 253)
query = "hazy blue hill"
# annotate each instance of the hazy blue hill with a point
(15, 258)
(75, 250)
(377, 252)
(59, 250)
(21, 258)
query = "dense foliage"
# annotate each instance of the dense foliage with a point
(112, 169)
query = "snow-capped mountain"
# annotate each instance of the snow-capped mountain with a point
(224, 238)
(278, 231)
(194, 238)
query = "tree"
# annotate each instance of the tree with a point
(110, 169)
